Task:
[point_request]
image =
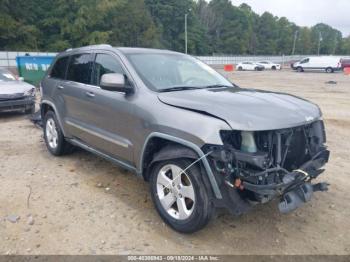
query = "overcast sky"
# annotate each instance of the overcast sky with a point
(336, 13)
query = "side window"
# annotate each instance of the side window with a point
(59, 69)
(79, 69)
(105, 64)
(305, 61)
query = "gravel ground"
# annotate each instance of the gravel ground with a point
(81, 204)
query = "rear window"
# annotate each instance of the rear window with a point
(79, 69)
(59, 69)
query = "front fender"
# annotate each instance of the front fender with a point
(173, 152)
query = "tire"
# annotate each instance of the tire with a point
(240, 68)
(329, 70)
(54, 139)
(300, 69)
(256, 69)
(196, 212)
(273, 68)
(30, 110)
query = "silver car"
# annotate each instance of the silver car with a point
(15, 94)
(202, 142)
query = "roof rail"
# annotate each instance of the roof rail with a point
(89, 46)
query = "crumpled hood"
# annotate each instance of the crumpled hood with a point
(13, 89)
(246, 109)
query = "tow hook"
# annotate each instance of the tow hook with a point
(298, 196)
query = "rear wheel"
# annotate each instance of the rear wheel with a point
(273, 68)
(53, 135)
(240, 68)
(179, 195)
(329, 70)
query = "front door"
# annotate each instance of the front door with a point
(105, 116)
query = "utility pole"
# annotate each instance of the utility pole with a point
(186, 40)
(319, 42)
(186, 33)
(335, 45)
(295, 41)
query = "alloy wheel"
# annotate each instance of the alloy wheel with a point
(175, 192)
(51, 133)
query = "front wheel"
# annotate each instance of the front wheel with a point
(300, 69)
(180, 196)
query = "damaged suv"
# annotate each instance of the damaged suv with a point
(202, 142)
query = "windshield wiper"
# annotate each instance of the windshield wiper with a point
(179, 88)
(217, 86)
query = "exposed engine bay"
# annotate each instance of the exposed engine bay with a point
(266, 164)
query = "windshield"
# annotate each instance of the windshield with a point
(168, 71)
(6, 76)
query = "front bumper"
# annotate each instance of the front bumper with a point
(17, 104)
(294, 190)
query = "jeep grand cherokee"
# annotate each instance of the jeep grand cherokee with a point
(201, 141)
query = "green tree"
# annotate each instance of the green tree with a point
(215, 26)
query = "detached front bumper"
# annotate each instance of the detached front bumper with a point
(294, 190)
(296, 187)
(17, 104)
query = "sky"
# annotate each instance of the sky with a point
(335, 13)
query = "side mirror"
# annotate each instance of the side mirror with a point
(115, 82)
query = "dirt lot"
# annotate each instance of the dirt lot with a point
(81, 204)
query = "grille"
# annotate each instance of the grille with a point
(11, 96)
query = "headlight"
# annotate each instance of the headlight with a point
(30, 92)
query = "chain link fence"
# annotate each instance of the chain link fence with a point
(8, 59)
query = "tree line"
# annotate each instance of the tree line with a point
(214, 27)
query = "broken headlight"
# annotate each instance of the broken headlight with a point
(30, 92)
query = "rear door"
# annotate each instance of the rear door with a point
(73, 93)
(105, 116)
(52, 85)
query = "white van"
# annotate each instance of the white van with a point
(327, 63)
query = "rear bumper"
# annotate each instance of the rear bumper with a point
(17, 104)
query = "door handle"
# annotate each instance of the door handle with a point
(90, 94)
(60, 87)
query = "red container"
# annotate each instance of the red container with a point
(229, 68)
(347, 70)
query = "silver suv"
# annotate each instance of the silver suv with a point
(201, 141)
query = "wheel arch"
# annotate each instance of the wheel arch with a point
(171, 148)
(46, 106)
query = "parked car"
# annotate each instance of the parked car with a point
(15, 95)
(345, 62)
(269, 65)
(201, 141)
(326, 63)
(249, 66)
